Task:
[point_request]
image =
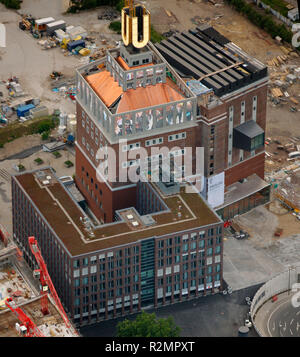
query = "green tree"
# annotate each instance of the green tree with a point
(11, 4)
(147, 325)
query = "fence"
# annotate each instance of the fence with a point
(274, 12)
(279, 284)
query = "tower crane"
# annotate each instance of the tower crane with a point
(46, 282)
(29, 327)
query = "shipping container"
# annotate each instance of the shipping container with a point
(50, 28)
(40, 24)
(77, 31)
(24, 109)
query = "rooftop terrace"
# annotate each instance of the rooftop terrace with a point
(185, 211)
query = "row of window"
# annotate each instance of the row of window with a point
(194, 236)
(177, 136)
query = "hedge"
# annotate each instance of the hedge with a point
(11, 4)
(265, 22)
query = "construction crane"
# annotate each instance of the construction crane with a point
(28, 328)
(46, 282)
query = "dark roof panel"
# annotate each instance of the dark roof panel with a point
(204, 53)
(250, 128)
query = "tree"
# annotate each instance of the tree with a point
(147, 325)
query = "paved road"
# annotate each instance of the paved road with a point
(284, 321)
(23, 154)
(210, 316)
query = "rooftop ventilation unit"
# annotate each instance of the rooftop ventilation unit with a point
(45, 182)
(129, 216)
(40, 174)
(148, 220)
(135, 223)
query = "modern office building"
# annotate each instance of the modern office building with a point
(168, 249)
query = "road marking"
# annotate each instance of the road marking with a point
(291, 321)
(298, 313)
(291, 332)
(268, 322)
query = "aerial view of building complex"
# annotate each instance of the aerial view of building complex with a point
(149, 169)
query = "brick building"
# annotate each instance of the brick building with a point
(231, 114)
(115, 246)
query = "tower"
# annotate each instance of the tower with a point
(129, 97)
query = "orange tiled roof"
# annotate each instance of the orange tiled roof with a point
(141, 97)
(105, 86)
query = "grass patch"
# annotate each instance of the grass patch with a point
(38, 161)
(115, 26)
(91, 4)
(11, 4)
(68, 163)
(34, 126)
(56, 154)
(278, 5)
(264, 21)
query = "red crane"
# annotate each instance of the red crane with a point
(4, 235)
(46, 282)
(31, 328)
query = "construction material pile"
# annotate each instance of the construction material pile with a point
(282, 77)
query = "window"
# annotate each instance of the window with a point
(161, 244)
(201, 243)
(257, 142)
(209, 251)
(218, 249)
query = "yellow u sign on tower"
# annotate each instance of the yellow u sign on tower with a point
(135, 25)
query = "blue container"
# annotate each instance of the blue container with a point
(24, 109)
(72, 45)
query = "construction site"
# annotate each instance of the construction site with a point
(26, 307)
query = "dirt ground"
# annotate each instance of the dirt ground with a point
(262, 222)
(25, 59)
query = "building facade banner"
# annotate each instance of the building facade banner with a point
(215, 190)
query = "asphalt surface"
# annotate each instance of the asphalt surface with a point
(23, 154)
(284, 320)
(211, 316)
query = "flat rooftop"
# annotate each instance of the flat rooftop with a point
(185, 211)
(204, 54)
(240, 190)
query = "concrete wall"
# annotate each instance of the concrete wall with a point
(279, 284)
